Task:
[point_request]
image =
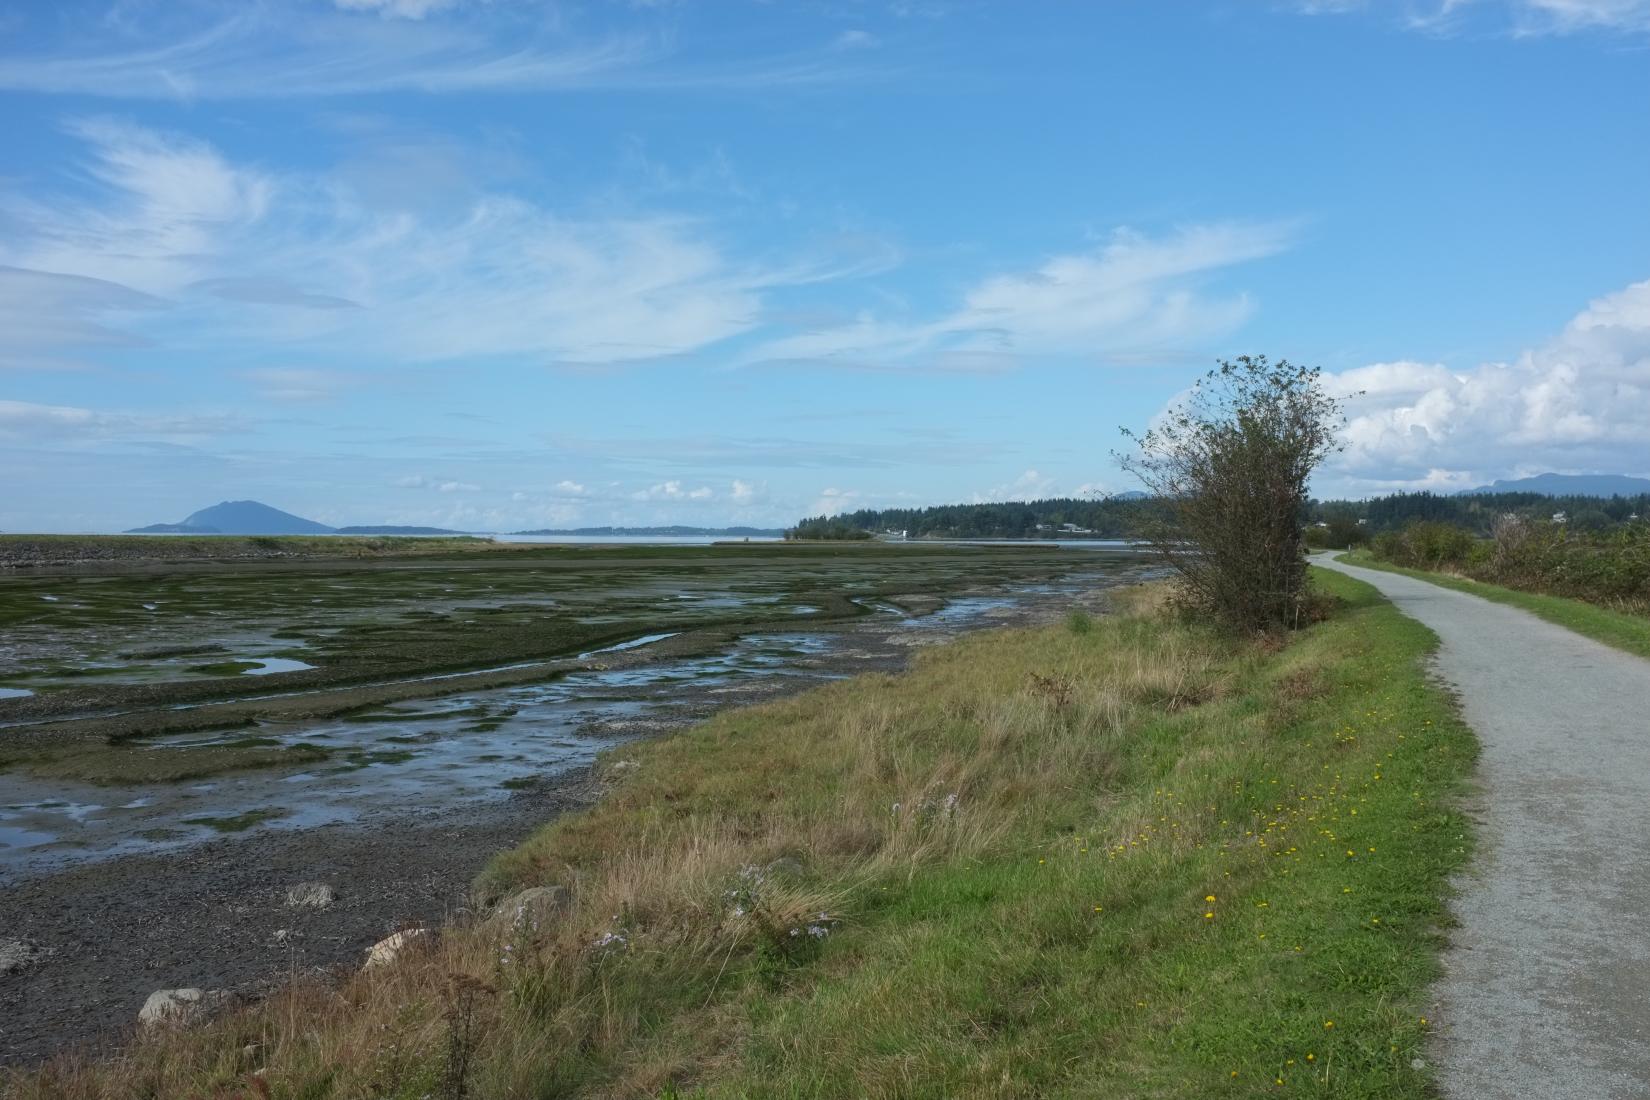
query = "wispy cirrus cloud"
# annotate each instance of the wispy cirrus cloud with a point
(298, 385)
(175, 242)
(74, 424)
(1527, 18)
(257, 51)
(1134, 295)
(47, 317)
(1571, 15)
(771, 452)
(398, 9)
(162, 205)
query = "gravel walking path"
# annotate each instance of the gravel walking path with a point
(1546, 991)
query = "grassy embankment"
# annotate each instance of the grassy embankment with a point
(1621, 629)
(1118, 857)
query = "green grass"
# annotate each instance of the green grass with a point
(1620, 629)
(1123, 857)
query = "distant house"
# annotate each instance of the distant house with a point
(1561, 517)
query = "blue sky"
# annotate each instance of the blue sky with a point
(495, 264)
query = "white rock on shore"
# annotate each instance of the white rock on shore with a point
(385, 950)
(179, 1006)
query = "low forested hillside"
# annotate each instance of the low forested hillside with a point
(1054, 518)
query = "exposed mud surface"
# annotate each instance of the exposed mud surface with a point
(215, 915)
(128, 889)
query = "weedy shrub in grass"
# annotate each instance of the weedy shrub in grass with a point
(1080, 622)
(1228, 466)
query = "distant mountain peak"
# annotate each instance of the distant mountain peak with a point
(1561, 485)
(239, 517)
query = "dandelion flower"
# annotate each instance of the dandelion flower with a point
(1329, 1023)
(1211, 897)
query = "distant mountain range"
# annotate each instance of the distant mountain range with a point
(1568, 485)
(660, 532)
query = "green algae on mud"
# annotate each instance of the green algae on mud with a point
(110, 765)
(237, 824)
(116, 655)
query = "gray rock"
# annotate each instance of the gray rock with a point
(787, 867)
(311, 895)
(17, 956)
(178, 1007)
(534, 905)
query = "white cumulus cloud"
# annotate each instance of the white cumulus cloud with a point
(1030, 485)
(1579, 403)
(673, 490)
(833, 501)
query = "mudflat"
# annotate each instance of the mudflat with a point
(198, 739)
